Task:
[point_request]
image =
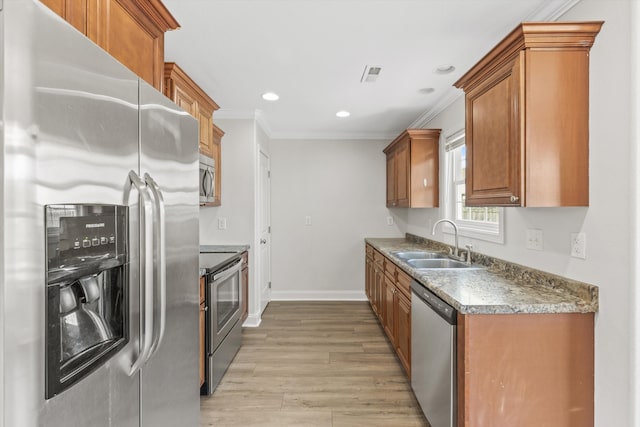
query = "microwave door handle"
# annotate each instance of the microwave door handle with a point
(161, 269)
(146, 278)
(210, 189)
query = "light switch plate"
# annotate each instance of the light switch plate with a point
(389, 220)
(307, 220)
(534, 239)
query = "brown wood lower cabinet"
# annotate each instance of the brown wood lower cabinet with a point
(526, 370)
(245, 287)
(202, 330)
(389, 293)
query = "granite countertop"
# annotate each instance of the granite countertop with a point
(214, 256)
(223, 248)
(498, 288)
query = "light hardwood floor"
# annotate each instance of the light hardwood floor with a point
(314, 364)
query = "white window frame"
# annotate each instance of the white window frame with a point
(481, 231)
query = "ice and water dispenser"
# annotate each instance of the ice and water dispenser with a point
(87, 308)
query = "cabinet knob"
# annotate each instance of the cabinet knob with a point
(514, 199)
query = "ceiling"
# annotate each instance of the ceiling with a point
(312, 53)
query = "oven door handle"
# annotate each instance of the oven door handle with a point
(146, 276)
(228, 272)
(160, 264)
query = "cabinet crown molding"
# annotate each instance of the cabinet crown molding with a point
(172, 71)
(531, 35)
(155, 10)
(415, 134)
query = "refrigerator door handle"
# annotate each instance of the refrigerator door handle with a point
(161, 259)
(146, 278)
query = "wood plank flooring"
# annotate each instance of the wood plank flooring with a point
(316, 364)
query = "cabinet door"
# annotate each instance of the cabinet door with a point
(368, 276)
(378, 277)
(184, 100)
(403, 331)
(72, 11)
(201, 350)
(389, 315)
(124, 30)
(493, 141)
(205, 118)
(201, 330)
(245, 294)
(391, 180)
(402, 172)
(216, 154)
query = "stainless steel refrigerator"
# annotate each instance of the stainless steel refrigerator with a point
(99, 223)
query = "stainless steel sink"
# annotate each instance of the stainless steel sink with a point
(416, 255)
(439, 264)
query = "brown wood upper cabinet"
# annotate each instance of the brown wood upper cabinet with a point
(179, 87)
(412, 169)
(527, 118)
(132, 31)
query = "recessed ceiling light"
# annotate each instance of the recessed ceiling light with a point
(445, 69)
(270, 96)
(343, 114)
(427, 90)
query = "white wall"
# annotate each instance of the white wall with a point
(238, 196)
(340, 185)
(607, 221)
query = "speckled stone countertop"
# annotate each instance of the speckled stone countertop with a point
(497, 288)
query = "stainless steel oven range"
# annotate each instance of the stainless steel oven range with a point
(223, 329)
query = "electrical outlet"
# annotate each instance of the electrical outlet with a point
(534, 239)
(389, 220)
(222, 223)
(307, 220)
(579, 245)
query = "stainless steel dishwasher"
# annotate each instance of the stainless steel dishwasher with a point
(433, 356)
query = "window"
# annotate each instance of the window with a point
(485, 223)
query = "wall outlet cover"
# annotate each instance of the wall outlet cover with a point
(579, 245)
(307, 220)
(534, 239)
(222, 223)
(389, 220)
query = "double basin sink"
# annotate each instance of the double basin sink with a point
(424, 260)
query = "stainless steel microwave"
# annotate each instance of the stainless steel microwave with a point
(207, 179)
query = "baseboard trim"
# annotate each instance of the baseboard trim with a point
(252, 321)
(318, 296)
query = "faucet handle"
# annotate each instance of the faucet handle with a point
(469, 250)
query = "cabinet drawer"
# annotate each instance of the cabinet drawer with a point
(369, 251)
(390, 269)
(378, 258)
(403, 283)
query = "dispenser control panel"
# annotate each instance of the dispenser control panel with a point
(79, 233)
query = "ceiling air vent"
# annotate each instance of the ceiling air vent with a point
(370, 74)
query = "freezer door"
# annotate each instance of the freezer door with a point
(169, 156)
(69, 132)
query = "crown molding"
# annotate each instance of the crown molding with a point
(551, 10)
(344, 136)
(235, 114)
(261, 121)
(442, 104)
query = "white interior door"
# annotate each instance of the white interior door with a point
(265, 231)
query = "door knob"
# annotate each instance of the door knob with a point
(263, 241)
